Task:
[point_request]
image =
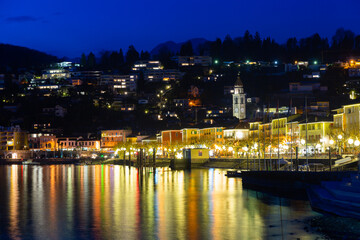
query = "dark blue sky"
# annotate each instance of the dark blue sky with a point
(70, 27)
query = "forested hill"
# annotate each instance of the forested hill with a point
(13, 58)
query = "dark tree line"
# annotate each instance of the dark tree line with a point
(114, 60)
(251, 47)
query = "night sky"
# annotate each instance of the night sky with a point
(70, 27)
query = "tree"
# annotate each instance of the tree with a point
(83, 60)
(145, 55)
(121, 57)
(91, 60)
(186, 49)
(132, 55)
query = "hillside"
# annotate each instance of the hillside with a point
(173, 47)
(15, 57)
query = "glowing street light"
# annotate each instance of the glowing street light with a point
(331, 142)
(315, 62)
(357, 143)
(340, 136)
(302, 141)
(350, 141)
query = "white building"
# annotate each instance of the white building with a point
(146, 65)
(236, 134)
(120, 84)
(162, 75)
(239, 103)
(56, 74)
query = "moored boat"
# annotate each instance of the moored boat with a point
(338, 198)
(30, 162)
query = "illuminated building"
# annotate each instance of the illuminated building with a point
(239, 104)
(111, 138)
(236, 134)
(164, 75)
(87, 77)
(181, 103)
(56, 74)
(213, 134)
(13, 138)
(318, 133)
(190, 135)
(186, 61)
(147, 65)
(120, 84)
(48, 142)
(169, 137)
(67, 143)
(88, 144)
(347, 118)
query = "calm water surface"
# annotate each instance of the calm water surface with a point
(117, 202)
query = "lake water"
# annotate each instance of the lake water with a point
(120, 202)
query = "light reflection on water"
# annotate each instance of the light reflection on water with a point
(112, 202)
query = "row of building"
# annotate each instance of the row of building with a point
(292, 129)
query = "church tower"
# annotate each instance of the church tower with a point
(239, 104)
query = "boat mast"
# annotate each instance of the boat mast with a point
(306, 126)
(291, 136)
(278, 128)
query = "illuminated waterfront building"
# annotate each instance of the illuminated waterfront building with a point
(347, 119)
(13, 138)
(169, 137)
(235, 134)
(190, 135)
(212, 135)
(318, 134)
(111, 138)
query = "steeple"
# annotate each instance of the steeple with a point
(239, 104)
(238, 82)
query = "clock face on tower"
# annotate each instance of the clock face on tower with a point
(236, 110)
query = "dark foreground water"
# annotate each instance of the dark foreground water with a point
(117, 202)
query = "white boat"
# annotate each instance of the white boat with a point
(30, 162)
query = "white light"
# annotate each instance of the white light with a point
(302, 141)
(179, 155)
(357, 143)
(331, 142)
(340, 136)
(350, 141)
